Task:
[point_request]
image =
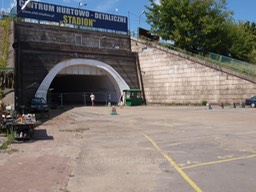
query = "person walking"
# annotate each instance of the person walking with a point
(121, 100)
(92, 96)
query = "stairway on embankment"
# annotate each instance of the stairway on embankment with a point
(171, 77)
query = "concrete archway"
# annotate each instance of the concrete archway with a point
(117, 81)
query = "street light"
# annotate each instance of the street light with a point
(26, 4)
(81, 4)
(103, 37)
(115, 11)
(141, 15)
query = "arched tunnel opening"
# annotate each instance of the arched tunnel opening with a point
(72, 81)
(76, 90)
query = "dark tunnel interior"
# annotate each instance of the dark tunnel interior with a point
(76, 90)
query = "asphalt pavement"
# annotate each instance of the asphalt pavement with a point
(143, 148)
(157, 148)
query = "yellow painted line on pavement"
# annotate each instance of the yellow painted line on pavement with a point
(172, 162)
(155, 132)
(219, 161)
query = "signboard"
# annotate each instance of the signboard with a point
(146, 34)
(73, 16)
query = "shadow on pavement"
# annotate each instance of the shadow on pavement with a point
(41, 134)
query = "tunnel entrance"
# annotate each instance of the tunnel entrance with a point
(71, 82)
(76, 90)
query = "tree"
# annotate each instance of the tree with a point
(242, 38)
(4, 40)
(194, 25)
(250, 27)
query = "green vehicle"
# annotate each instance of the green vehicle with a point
(133, 97)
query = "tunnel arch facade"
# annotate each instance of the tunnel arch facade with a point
(117, 81)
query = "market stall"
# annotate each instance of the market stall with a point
(21, 127)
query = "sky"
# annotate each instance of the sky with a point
(244, 10)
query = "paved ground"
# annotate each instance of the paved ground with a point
(149, 148)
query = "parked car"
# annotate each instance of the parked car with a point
(251, 101)
(39, 105)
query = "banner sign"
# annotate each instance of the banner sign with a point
(73, 16)
(146, 34)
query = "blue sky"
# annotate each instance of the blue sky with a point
(244, 9)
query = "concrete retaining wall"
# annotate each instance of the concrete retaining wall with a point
(170, 77)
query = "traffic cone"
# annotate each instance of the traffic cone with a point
(113, 111)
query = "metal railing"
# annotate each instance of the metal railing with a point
(80, 98)
(237, 65)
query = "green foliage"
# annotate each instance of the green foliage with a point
(1, 93)
(203, 103)
(5, 145)
(203, 26)
(5, 25)
(250, 28)
(78, 130)
(194, 25)
(242, 42)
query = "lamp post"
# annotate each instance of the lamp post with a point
(140, 16)
(26, 4)
(103, 37)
